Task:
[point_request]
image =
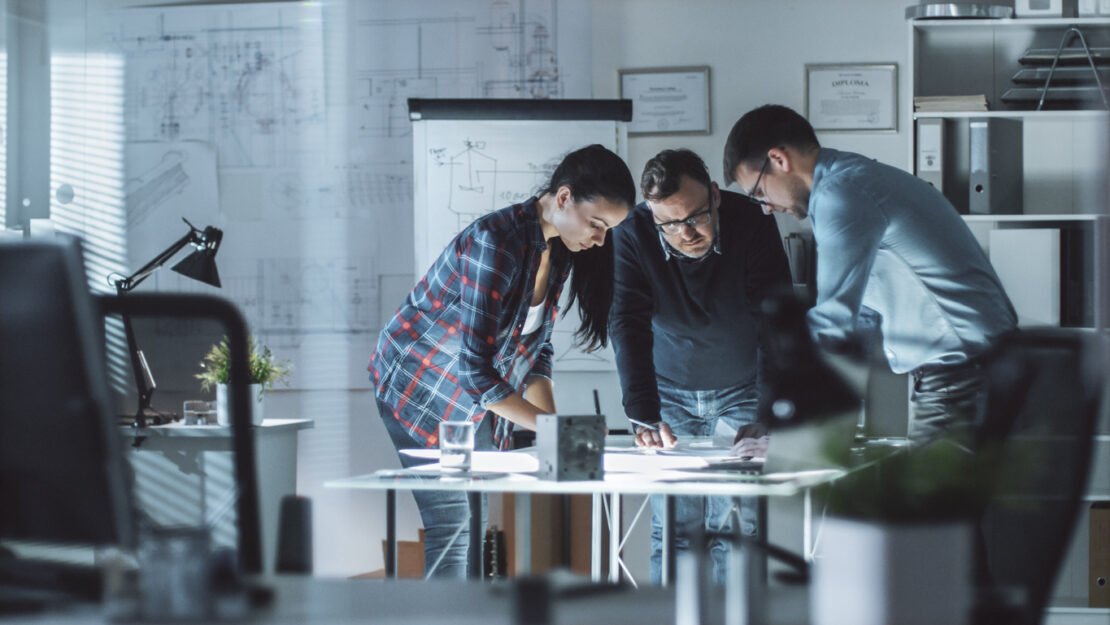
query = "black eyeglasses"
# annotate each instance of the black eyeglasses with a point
(699, 218)
(751, 193)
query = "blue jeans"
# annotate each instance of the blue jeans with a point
(698, 413)
(443, 512)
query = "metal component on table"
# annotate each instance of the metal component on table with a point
(569, 447)
(957, 10)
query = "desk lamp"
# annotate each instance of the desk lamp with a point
(200, 265)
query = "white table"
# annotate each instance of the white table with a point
(185, 474)
(613, 486)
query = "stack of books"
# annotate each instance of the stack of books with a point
(940, 103)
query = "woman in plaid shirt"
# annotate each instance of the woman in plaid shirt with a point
(472, 341)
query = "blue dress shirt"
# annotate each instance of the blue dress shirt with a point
(890, 242)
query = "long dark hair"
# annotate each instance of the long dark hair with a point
(590, 173)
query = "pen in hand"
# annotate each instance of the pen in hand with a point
(653, 428)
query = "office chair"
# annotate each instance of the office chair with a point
(62, 474)
(1043, 397)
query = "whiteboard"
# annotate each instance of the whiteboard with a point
(466, 168)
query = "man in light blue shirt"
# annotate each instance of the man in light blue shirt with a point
(888, 243)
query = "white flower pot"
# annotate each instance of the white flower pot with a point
(876, 574)
(223, 415)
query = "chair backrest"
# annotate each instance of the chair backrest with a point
(1043, 397)
(63, 477)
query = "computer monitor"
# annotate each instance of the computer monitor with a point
(63, 475)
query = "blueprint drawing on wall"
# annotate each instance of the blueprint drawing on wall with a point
(301, 109)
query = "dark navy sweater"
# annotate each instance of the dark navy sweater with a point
(691, 323)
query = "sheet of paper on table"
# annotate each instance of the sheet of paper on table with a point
(641, 461)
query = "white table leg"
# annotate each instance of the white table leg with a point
(615, 538)
(595, 537)
(807, 525)
(523, 515)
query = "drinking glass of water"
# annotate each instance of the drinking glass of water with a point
(456, 443)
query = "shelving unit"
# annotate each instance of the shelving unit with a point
(1065, 169)
(1065, 152)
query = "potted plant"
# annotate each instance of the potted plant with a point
(898, 543)
(265, 371)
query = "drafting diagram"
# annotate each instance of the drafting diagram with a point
(524, 63)
(248, 80)
(476, 184)
(370, 186)
(151, 188)
(292, 296)
(477, 49)
(309, 163)
(164, 183)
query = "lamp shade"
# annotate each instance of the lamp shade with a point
(200, 265)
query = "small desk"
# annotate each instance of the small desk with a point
(184, 474)
(614, 485)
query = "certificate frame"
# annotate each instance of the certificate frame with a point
(667, 100)
(852, 97)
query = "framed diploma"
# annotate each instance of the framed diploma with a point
(852, 97)
(667, 100)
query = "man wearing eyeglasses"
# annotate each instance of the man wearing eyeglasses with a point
(888, 243)
(692, 263)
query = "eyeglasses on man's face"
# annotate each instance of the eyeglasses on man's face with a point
(699, 218)
(755, 187)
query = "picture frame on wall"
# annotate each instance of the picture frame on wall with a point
(667, 100)
(852, 97)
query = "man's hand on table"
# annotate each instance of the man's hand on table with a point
(663, 437)
(751, 441)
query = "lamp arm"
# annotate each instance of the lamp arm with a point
(123, 285)
(144, 384)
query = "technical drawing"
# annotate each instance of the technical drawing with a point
(540, 73)
(525, 64)
(302, 295)
(477, 185)
(147, 191)
(248, 83)
(506, 50)
(383, 104)
(470, 173)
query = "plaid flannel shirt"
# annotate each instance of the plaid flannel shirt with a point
(455, 345)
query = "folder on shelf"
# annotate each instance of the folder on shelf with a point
(930, 151)
(1099, 585)
(995, 155)
(1027, 261)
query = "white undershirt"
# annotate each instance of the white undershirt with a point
(534, 320)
